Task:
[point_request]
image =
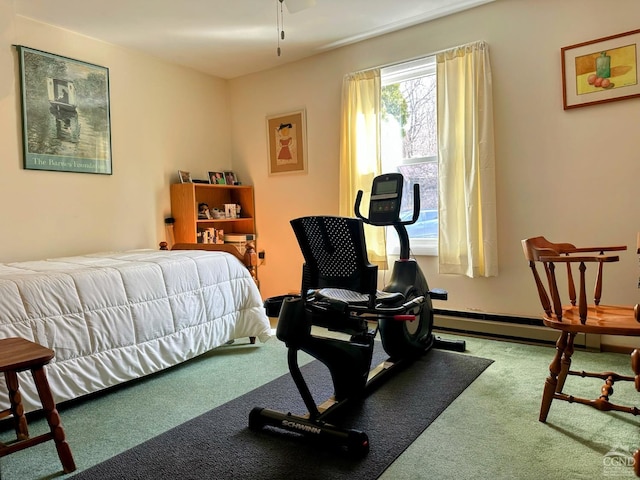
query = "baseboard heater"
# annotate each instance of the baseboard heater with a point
(505, 327)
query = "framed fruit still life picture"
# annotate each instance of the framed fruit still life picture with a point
(600, 71)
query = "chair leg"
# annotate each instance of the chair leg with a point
(635, 366)
(16, 408)
(566, 362)
(551, 383)
(53, 418)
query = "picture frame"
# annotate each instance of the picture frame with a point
(217, 178)
(287, 143)
(600, 71)
(185, 177)
(230, 178)
(66, 124)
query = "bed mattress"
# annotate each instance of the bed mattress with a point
(114, 317)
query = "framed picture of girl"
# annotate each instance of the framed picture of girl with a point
(287, 142)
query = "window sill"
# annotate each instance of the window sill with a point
(418, 249)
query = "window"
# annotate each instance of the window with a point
(409, 145)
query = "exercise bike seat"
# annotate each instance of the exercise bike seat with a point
(335, 259)
(350, 297)
(337, 278)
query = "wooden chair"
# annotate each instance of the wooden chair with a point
(580, 316)
(17, 355)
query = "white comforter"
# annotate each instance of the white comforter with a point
(118, 316)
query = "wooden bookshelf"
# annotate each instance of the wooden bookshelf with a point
(185, 198)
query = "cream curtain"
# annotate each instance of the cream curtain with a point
(360, 151)
(466, 163)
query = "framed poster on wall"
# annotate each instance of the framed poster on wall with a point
(66, 124)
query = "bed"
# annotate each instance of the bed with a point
(114, 317)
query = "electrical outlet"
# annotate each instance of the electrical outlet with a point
(261, 257)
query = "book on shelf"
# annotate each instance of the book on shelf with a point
(210, 235)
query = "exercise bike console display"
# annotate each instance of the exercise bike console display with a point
(386, 199)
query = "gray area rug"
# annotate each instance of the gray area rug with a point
(219, 444)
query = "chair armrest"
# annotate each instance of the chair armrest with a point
(578, 259)
(614, 248)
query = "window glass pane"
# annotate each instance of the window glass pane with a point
(426, 175)
(420, 132)
(409, 144)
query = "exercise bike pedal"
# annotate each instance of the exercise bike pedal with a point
(439, 294)
(453, 345)
(356, 442)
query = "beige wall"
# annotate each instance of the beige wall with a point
(163, 118)
(570, 175)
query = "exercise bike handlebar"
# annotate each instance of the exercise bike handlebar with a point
(414, 218)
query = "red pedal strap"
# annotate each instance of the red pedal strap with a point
(404, 318)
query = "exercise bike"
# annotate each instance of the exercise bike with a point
(339, 293)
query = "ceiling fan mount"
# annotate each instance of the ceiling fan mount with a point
(294, 6)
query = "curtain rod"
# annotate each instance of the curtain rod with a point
(400, 62)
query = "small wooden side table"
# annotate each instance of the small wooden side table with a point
(17, 355)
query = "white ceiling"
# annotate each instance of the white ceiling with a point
(230, 38)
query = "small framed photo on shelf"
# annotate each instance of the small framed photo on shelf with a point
(185, 177)
(230, 178)
(203, 212)
(216, 178)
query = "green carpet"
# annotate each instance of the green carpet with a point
(490, 431)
